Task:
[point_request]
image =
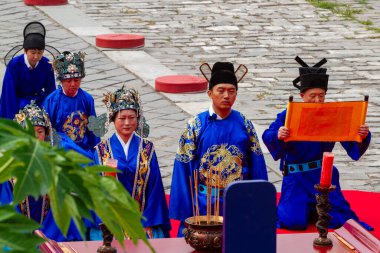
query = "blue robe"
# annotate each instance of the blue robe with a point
(36, 208)
(152, 200)
(297, 201)
(21, 85)
(70, 115)
(49, 226)
(229, 145)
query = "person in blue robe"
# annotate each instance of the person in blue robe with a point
(220, 145)
(28, 76)
(135, 157)
(301, 161)
(35, 209)
(69, 107)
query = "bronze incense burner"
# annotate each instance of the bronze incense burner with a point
(204, 233)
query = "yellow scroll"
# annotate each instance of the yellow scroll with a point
(332, 121)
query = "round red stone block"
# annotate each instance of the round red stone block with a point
(120, 40)
(179, 84)
(45, 2)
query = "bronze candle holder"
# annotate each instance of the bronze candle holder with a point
(107, 240)
(323, 207)
(202, 235)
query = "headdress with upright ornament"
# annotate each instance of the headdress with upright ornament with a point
(69, 65)
(311, 77)
(37, 115)
(34, 38)
(223, 72)
(121, 99)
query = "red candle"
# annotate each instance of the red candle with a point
(327, 168)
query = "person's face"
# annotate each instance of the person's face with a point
(33, 56)
(40, 132)
(223, 96)
(71, 86)
(126, 123)
(314, 95)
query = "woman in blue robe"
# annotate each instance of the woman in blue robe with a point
(70, 107)
(296, 207)
(136, 159)
(220, 145)
(35, 209)
(28, 76)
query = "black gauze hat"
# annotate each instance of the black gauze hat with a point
(222, 72)
(34, 36)
(311, 77)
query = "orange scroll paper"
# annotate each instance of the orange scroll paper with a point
(332, 121)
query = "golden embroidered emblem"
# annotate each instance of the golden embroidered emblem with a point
(187, 145)
(224, 163)
(142, 173)
(75, 125)
(253, 139)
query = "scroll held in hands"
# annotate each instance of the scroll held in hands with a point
(331, 121)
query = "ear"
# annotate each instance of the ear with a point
(302, 94)
(209, 93)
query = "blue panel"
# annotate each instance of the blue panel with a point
(249, 217)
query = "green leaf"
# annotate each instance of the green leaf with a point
(36, 171)
(16, 231)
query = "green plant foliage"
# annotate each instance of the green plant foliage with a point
(73, 188)
(16, 231)
(347, 11)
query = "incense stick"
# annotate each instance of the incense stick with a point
(196, 195)
(192, 195)
(218, 199)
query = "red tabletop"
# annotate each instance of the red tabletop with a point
(286, 243)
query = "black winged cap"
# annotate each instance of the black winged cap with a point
(34, 38)
(311, 77)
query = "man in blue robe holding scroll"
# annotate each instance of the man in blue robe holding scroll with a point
(301, 161)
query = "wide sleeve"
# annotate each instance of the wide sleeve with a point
(270, 139)
(68, 144)
(92, 138)
(9, 101)
(6, 193)
(180, 194)
(256, 162)
(156, 210)
(355, 149)
(50, 85)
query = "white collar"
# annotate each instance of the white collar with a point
(125, 145)
(211, 112)
(28, 64)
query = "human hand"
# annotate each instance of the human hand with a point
(283, 132)
(363, 131)
(149, 232)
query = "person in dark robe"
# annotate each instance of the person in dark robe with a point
(28, 76)
(301, 161)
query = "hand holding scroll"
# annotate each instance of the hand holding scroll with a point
(283, 132)
(363, 131)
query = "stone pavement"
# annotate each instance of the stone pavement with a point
(264, 35)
